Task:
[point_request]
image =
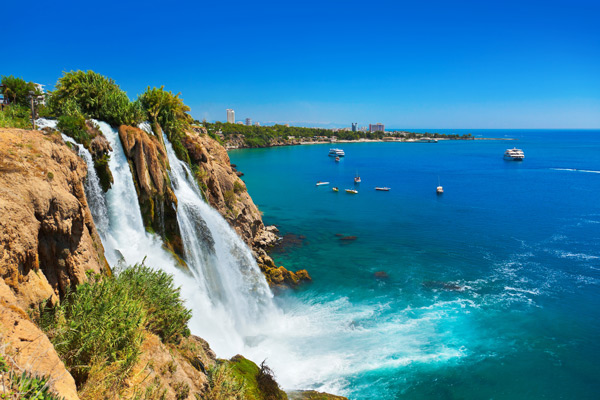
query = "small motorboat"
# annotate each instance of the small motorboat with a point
(439, 190)
(383, 189)
(337, 159)
(352, 191)
(322, 183)
(336, 189)
(357, 179)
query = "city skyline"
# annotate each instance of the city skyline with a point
(456, 65)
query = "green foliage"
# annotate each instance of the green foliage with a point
(30, 387)
(103, 171)
(267, 385)
(23, 385)
(224, 385)
(74, 126)
(98, 323)
(238, 187)
(229, 198)
(166, 314)
(169, 111)
(94, 96)
(17, 91)
(101, 322)
(50, 176)
(15, 116)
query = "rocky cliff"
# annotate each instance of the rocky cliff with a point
(48, 242)
(226, 192)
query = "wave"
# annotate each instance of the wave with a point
(576, 170)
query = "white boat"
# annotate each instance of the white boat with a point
(322, 183)
(336, 153)
(426, 139)
(352, 191)
(439, 189)
(383, 189)
(357, 179)
(514, 154)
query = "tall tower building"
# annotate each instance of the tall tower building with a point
(248, 121)
(354, 126)
(230, 116)
(379, 127)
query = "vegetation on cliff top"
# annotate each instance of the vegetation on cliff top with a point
(168, 110)
(94, 96)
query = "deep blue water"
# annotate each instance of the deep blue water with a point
(492, 289)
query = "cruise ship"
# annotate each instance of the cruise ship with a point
(336, 153)
(514, 154)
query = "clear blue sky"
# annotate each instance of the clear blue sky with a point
(408, 64)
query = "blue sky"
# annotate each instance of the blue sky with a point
(417, 64)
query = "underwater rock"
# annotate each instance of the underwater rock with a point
(381, 275)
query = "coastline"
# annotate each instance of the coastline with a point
(298, 143)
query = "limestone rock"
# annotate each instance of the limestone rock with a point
(28, 349)
(150, 163)
(47, 236)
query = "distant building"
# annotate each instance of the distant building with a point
(379, 127)
(257, 124)
(287, 125)
(230, 116)
(240, 123)
(248, 121)
(354, 126)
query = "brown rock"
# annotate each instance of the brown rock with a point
(27, 348)
(47, 235)
(150, 163)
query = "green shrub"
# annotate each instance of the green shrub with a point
(16, 90)
(30, 387)
(74, 126)
(223, 384)
(169, 111)
(166, 314)
(238, 187)
(267, 385)
(229, 198)
(15, 116)
(95, 96)
(100, 322)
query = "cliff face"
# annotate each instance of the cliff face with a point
(47, 243)
(157, 201)
(227, 193)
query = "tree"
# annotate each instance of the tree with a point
(17, 90)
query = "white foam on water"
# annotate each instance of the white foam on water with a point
(576, 170)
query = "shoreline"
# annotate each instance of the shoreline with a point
(298, 143)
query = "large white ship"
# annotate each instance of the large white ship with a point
(336, 153)
(514, 154)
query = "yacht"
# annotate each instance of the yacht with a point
(322, 183)
(336, 153)
(352, 191)
(514, 154)
(426, 139)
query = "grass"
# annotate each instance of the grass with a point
(223, 384)
(15, 116)
(18, 384)
(98, 328)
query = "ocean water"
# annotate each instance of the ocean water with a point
(489, 291)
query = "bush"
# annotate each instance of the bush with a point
(169, 111)
(229, 198)
(98, 323)
(74, 126)
(238, 187)
(166, 314)
(222, 384)
(94, 96)
(267, 385)
(16, 90)
(15, 116)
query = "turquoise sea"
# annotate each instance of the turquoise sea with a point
(489, 291)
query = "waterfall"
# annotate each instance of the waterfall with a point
(222, 264)
(223, 287)
(93, 191)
